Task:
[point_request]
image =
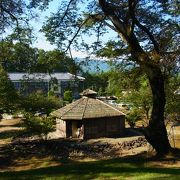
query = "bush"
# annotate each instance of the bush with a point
(68, 96)
(133, 116)
(38, 102)
(40, 126)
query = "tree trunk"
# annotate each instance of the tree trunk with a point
(156, 133)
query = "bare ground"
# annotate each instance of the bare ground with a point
(23, 153)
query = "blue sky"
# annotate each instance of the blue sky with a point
(41, 42)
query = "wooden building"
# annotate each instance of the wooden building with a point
(88, 118)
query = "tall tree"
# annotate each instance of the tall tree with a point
(55, 61)
(18, 57)
(147, 28)
(8, 95)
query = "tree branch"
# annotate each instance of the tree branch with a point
(132, 5)
(113, 17)
(12, 15)
(66, 11)
(77, 32)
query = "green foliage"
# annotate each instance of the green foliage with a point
(94, 19)
(8, 95)
(123, 77)
(50, 61)
(68, 96)
(19, 57)
(50, 93)
(141, 97)
(133, 116)
(112, 49)
(97, 82)
(173, 97)
(39, 102)
(15, 14)
(129, 85)
(40, 126)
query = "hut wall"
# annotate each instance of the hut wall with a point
(61, 127)
(104, 127)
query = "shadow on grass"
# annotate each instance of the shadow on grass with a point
(131, 132)
(10, 133)
(11, 125)
(109, 169)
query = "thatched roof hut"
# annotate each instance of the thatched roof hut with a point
(93, 117)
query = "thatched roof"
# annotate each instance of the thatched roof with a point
(86, 108)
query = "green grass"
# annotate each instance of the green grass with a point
(107, 169)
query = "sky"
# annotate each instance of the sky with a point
(41, 41)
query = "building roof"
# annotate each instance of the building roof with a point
(43, 76)
(86, 108)
(89, 93)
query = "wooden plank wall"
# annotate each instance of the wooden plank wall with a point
(104, 127)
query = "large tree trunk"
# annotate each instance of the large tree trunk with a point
(156, 133)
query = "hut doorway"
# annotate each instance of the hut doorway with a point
(76, 129)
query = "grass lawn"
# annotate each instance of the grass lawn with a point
(106, 169)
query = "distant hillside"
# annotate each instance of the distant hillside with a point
(93, 65)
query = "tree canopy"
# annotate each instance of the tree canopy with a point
(17, 57)
(21, 57)
(15, 15)
(8, 95)
(147, 33)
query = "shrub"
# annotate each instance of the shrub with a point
(68, 96)
(39, 102)
(40, 126)
(133, 116)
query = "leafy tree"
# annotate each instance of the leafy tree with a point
(133, 116)
(55, 61)
(19, 57)
(39, 102)
(142, 98)
(131, 86)
(97, 82)
(172, 111)
(8, 95)
(147, 30)
(122, 79)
